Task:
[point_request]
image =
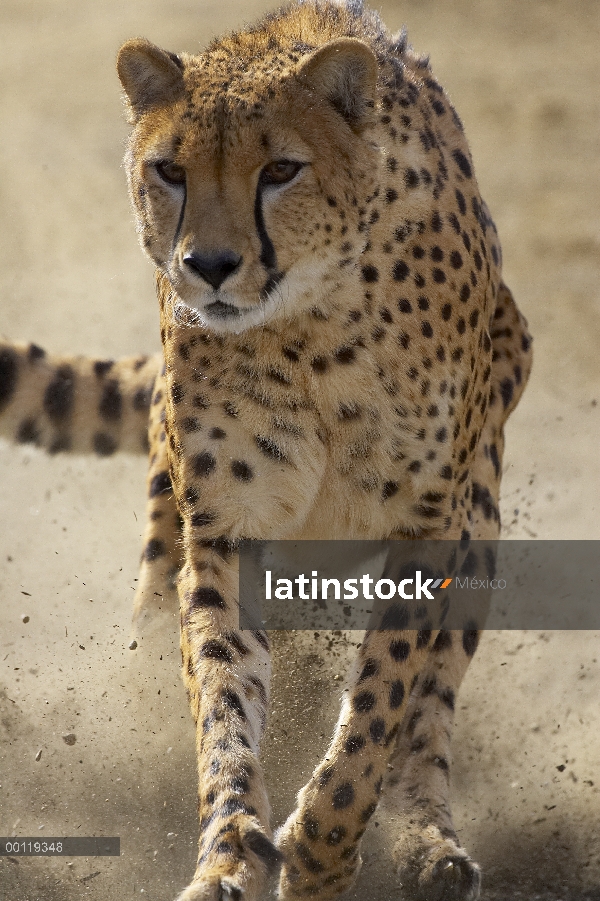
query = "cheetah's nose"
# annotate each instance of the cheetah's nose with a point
(213, 268)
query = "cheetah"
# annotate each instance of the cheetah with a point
(340, 355)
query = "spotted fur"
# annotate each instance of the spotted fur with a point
(340, 357)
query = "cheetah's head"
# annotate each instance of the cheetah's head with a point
(250, 175)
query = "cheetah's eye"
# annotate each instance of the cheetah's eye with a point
(280, 172)
(170, 172)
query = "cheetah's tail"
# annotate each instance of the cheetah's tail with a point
(75, 403)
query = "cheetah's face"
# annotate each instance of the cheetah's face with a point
(246, 197)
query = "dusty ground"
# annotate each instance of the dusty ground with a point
(524, 77)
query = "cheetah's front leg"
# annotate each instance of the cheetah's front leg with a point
(226, 674)
(162, 555)
(321, 840)
(431, 862)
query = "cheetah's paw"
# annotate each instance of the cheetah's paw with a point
(440, 870)
(215, 889)
(239, 876)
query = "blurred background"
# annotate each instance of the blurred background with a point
(524, 78)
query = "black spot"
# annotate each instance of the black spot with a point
(28, 432)
(426, 329)
(222, 546)
(235, 805)
(353, 744)
(462, 163)
(111, 402)
(377, 729)
(159, 484)
(202, 519)
(349, 412)
(396, 694)
(141, 398)
(311, 863)
(191, 496)
(474, 318)
(371, 668)
(423, 638)
(389, 490)
(368, 812)
(460, 199)
(470, 640)
(370, 274)
(204, 464)
(242, 471)
(345, 354)
(412, 723)
(190, 424)
(447, 697)
(411, 178)
(443, 641)
(400, 271)
(336, 835)
(263, 848)
(232, 701)
(60, 394)
(319, 364)
(261, 638)
(439, 276)
(236, 642)
(404, 305)
(506, 391)
(343, 796)
(291, 354)
(399, 650)
(270, 448)
(395, 618)
(101, 367)
(154, 549)
(495, 459)
(206, 597)
(177, 393)
(391, 195)
(429, 686)
(325, 776)
(214, 650)
(104, 445)
(364, 702)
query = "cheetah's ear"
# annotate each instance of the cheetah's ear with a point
(150, 76)
(345, 72)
